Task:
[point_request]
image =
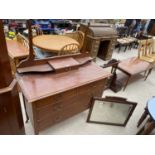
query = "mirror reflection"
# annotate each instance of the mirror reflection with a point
(110, 112)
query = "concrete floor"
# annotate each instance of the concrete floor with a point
(138, 90)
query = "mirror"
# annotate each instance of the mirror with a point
(111, 111)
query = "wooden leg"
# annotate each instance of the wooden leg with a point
(149, 72)
(27, 117)
(125, 47)
(149, 128)
(119, 48)
(140, 131)
(126, 83)
(143, 117)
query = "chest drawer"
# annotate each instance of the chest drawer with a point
(76, 107)
(53, 109)
(56, 98)
(91, 87)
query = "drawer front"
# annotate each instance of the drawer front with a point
(56, 98)
(58, 110)
(53, 109)
(90, 87)
(78, 106)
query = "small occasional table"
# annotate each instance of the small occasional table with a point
(52, 43)
(133, 66)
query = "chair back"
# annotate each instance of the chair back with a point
(69, 49)
(145, 47)
(38, 30)
(23, 40)
(142, 48)
(149, 46)
(78, 36)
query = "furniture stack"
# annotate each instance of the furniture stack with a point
(99, 41)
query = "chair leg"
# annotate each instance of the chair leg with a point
(142, 118)
(119, 48)
(125, 47)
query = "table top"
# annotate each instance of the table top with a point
(133, 65)
(39, 86)
(52, 43)
(151, 107)
(16, 49)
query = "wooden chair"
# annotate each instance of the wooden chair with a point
(144, 49)
(15, 61)
(69, 49)
(23, 40)
(78, 36)
(38, 30)
(149, 49)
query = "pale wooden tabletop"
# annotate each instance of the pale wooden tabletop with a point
(16, 49)
(52, 43)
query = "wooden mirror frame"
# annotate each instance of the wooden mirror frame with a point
(31, 64)
(115, 100)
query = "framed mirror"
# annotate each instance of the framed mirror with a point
(111, 110)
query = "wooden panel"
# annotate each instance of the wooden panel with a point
(5, 74)
(53, 113)
(55, 98)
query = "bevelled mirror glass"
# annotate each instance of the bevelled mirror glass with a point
(111, 111)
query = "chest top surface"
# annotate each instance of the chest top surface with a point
(38, 86)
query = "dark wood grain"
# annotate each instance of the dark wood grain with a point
(11, 120)
(5, 68)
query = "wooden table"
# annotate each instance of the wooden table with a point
(55, 96)
(16, 52)
(133, 66)
(52, 43)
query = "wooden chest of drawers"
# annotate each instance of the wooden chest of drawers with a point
(52, 98)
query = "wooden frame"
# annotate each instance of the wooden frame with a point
(115, 100)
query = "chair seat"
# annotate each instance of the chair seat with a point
(152, 56)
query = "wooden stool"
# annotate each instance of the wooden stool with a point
(150, 124)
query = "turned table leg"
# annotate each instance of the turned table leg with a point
(144, 115)
(147, 128)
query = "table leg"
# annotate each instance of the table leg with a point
(149, 128)
(149, 72)
(126, 83)
(142, 118)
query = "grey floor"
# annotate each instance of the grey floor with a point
(138, 90)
